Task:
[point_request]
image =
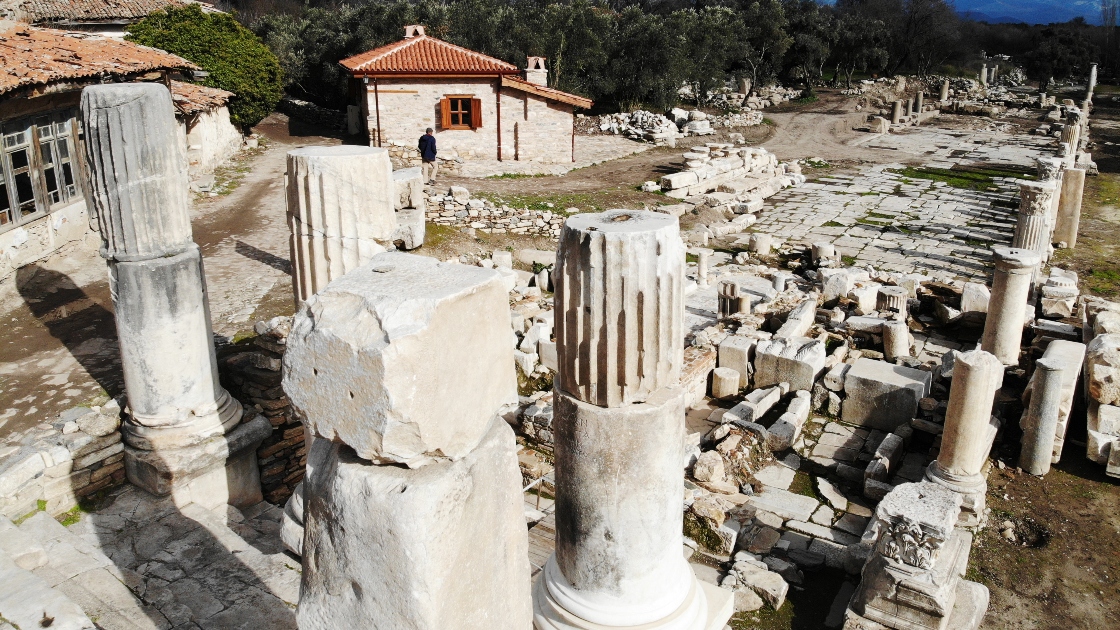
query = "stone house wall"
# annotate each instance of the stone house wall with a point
(532, 128)
(211, 139)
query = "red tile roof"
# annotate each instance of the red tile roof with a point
(37, 11)
(425, 55)
(547, 92)
(32, 56)
(192, 98)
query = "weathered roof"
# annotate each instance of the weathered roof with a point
(38, 11)
(422, 54)
(547, 92)
(32, 56)
(192, 98)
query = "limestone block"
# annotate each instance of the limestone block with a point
(620, 306)
(408, 189)
(1103, 373)
(442, 546)
(725, 382)
(709, 467)
(766, 584)
(834, 379)
(787, 428)
(883, 396)
(138, 184)
(866, 297)
(880, 125)
(797, 361)
(754, 406)
(974, 298)
(410, 229)
(800, 320)
(366, 354)
(736, 352)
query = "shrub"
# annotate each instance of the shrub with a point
(236, 59)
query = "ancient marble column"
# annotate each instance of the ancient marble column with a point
(823, 253)
(1032, 226)
(1007, 309)
(919, 102)
(1040, 421)
(896, 339)
(1069, 210)
(910, 107)
(1071, 133)
(969, 431)
(702, 268)
(341, 203)
(896, 112)
(619, 426)
(412, 503)
(892, 300)
(1091, 86)
(984, 76)
(183, 433)
(729, 300)
(759, 243)
(944, 96)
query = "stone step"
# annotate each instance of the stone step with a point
(24, 550)
(27, 601)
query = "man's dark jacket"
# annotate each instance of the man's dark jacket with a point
(427, 148)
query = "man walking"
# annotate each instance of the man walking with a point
(427, 146)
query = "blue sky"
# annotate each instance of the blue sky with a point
(1035, 11)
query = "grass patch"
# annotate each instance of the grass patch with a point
(803, 484)
(807, 99)
(528, 385)
(697, 530)
(557, 203)
(71, 516)
(436, 234)
(832, 224)
(981, 179)
(40, 506)
(880, 215)
(691, 258)
(1104, 282)
(848, 261)
(516, 176)
(768, 122)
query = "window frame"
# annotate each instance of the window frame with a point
(60, 128)
(461, 106)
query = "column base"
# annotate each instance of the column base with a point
(707, 607)
(291, 524)
(972, 488)
(970, 606)
(220, 470)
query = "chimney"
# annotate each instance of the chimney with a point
(413, 30)
(536, 72)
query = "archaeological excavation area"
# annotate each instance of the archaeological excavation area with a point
(765, 392)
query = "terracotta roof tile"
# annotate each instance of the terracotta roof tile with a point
(547, 92)
(36, 11)
(191, 98)
(425, 55)
(35, 56)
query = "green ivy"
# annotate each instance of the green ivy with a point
(237, 60)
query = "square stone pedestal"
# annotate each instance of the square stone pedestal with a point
(220, 470)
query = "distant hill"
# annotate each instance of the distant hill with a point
(977, 16)
(1028, 11)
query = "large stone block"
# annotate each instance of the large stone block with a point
(735, 352)
(797, 361)
(442, 546)
(882, 395)
(408, 188)
(1103, 361)
(619, 306)
(387, 358)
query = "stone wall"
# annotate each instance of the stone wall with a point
(532, 128)
(61, 463)
(252, 374)
(211, 139)
(457, 209)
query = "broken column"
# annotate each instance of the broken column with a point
(702, 267)
(412, 502)
(919, 102)
(1032, 227)
(892, 300)
(619, 429)
(910, 108)
(1040, 420)
(944, 96)
(969, 431)
(896, 112)
(1007, 308)
(183, 432)
(1091, 86)
(913, 578)
(1069, 209)
(984, 76)
(1070, 357)
(341, 208)
(1050, 170)
(730, 301)
(896, 339)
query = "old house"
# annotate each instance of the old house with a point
(42, 73)
(104, 17)
(480, 107)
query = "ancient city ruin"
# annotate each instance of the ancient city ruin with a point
(658, 371)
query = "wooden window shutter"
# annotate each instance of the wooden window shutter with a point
(476, 113)
(445, 113)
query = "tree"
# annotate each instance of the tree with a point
(1061, 53)
(765, 40)
(811, 26)
(236, 59)
(860, 44)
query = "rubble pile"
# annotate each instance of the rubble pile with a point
(737, 176)
(457, 208)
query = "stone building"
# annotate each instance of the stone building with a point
(42, 73)
(480, 107)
